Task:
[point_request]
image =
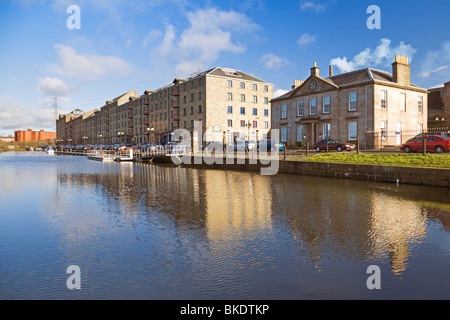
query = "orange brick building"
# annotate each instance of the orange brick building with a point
(30, 135)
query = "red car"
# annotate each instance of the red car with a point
(434, 143)
(334, 144)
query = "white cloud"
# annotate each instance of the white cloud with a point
(305, 39)
(73, 64)
(53, 86)
(279, 92)
(273, 62)
(167, 42)
(428, 73)
(152, 36)
(437, 64)
(211, 32)
(382, 56)
(19, 117)
(315, 6)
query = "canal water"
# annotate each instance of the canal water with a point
(142, 231)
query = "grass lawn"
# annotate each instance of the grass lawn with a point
(412, 160)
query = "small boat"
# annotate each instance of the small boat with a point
(50, 151)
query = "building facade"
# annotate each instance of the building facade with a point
(6, 139)
(230, 104)
(368, 106)
(30, 135)
(439, 108)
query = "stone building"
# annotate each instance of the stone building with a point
(230, 104)
(368, 106)
(439, 108)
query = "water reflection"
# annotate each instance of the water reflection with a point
(327, 219)
(164, 232)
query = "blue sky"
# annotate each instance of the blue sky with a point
(143, 45)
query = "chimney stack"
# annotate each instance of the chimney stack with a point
(401, 71)
(297, 83)
(315, 70)
(331, 71)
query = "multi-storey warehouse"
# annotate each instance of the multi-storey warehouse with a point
(229, 103)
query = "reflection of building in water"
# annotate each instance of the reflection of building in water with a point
(395, 225)
(237, 204)
(346, 220)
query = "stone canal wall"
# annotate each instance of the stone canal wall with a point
(378, 173)
(405, 175)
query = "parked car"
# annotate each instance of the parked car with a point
(241, 146)
(434, 143)
(155, 146)
(270, 145)
(334, 144)
(213, 145)
(431, 133)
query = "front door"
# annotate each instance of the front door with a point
(398, 133)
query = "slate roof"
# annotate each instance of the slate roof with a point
(231, 73)
(361, 76)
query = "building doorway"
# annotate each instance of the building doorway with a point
(398, 133)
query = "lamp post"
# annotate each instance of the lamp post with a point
(148, 131)
(120, 134)
(248, 125)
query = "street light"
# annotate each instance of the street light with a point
(248, 125)
(120, 134)
(148, 130)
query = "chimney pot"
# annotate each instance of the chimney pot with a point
(297, 83)
(331, 71)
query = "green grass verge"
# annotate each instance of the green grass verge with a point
(411, 160)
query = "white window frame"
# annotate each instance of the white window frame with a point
(420, 128)
(353, 104)
(326, 107)
(351, 129)
(230, 83)
(384, 128)
(300, 133)
(326, 130)
(284, 134)
(284, 111)
(384, 99)
(420, 104)
(302, 109)
(311, 106)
